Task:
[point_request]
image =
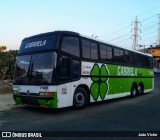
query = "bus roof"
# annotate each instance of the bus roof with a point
(78, 34)
(115, 45)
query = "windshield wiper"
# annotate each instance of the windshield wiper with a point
(30, 70)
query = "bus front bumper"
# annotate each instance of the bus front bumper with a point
(39, 101)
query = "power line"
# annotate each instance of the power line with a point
(123, 40)
(115, 32)
(149, 10)
(143, 25)
(122, 36)
(126, 27)
(147, 18)
(146, 38)
(119, 37)
(149, 33)
(158, 37)
(149, 27)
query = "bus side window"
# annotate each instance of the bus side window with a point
(86, 50)
(70, 45)
(76, 69)
(130, 58)
(64, 67)
(94, 51)
(121, 56)
(103, 54)
(116, 55)
(150, 63)
(147, 62)
(144, 61)
(109, 53)
(89, 49)
(126, 56)
(137, 59)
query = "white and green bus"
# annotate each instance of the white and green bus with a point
(62, 68)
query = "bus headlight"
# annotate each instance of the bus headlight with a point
(46, 93)
(16, 92)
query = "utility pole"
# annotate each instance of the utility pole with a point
(158, 36)
(135, 34)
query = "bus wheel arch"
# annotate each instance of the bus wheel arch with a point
(134, 90)
(81, 96)
(141, 88)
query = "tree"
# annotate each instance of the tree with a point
(7, 64)
(3, 48)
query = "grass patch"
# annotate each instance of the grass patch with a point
(6, 89)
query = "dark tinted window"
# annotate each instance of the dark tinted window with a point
(144, 61)
(116, 55)
(150, 60)
(35, 69)
(119, 55)
(64, 67)
(109, 53)
(147, 62)
(76, 69)
(22, 68)
(130, 58)
(94, 51)
(137, 59)
(70, 45)
(86, 50)
(126, 56)
(105, 52)
(89, 49)
(42, 66)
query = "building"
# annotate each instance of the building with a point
(155, 52)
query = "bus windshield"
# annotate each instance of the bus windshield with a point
(35, 68)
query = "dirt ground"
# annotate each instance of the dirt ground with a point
(6, 89)
(6, 98)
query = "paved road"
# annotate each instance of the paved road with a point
(125, 114)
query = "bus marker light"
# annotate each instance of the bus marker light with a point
(45, 106)
(51, 94)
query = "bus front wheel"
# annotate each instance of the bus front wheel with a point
(80, 98)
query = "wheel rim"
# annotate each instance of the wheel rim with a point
(134, 91)
(79, 98)
(139, 89)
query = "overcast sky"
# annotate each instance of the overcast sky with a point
(110, 20)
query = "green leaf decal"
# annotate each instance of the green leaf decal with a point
(103, 90)
(99, 85)
(103, 72)
(95, 90)
(95, 72)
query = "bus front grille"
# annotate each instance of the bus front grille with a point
(30, 101)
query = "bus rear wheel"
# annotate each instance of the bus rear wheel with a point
(134, 90)
(80, 98)
(140, 89)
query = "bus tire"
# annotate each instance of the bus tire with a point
(140, 89)
(134, 90)
(80, 98)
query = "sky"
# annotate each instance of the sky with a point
(110, 20)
